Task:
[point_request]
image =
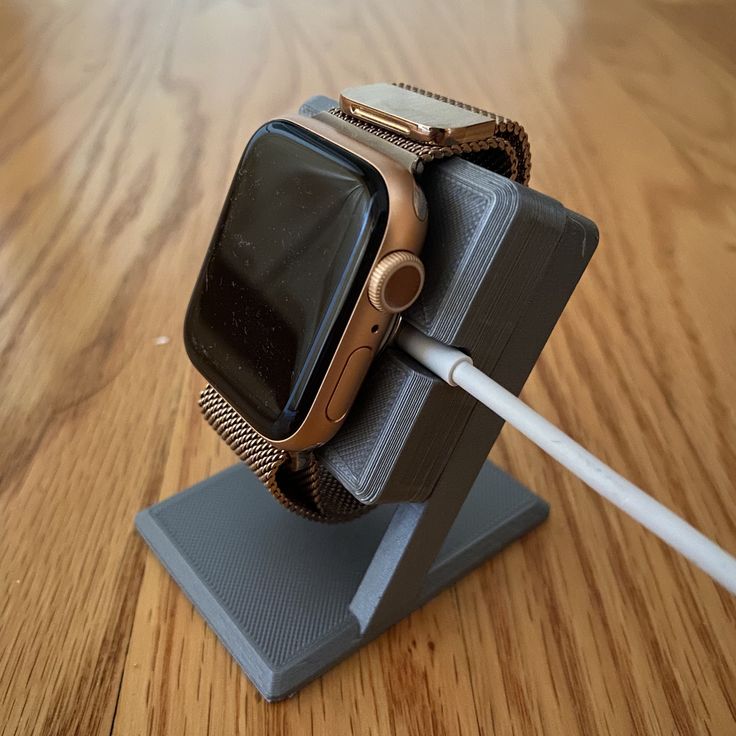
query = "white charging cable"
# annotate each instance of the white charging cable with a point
(458, 370)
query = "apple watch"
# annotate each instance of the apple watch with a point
(315, 254)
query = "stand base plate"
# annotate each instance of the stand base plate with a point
(277, 588)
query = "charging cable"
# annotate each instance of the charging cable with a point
(457, 369)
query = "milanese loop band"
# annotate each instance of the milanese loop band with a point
(307, 489)
(299, 482)
(507, 152)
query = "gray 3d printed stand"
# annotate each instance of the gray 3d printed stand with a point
(289, 597)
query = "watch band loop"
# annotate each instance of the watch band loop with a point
(306, 488)
(507, 151)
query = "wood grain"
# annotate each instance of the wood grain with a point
(120, 123)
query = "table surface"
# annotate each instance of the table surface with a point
(120, 125)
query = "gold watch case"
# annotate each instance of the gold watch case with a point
(366, 329)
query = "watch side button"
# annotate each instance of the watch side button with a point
(351, 377)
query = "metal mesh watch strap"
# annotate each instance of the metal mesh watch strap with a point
(298, 481)
(507, 151)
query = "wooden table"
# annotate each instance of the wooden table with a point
(120, 125)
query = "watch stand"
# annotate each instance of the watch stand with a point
(289, 597)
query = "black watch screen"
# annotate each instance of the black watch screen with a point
(300, 229)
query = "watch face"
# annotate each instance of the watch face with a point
(301, 227)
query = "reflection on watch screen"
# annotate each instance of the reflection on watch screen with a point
(300, 229)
